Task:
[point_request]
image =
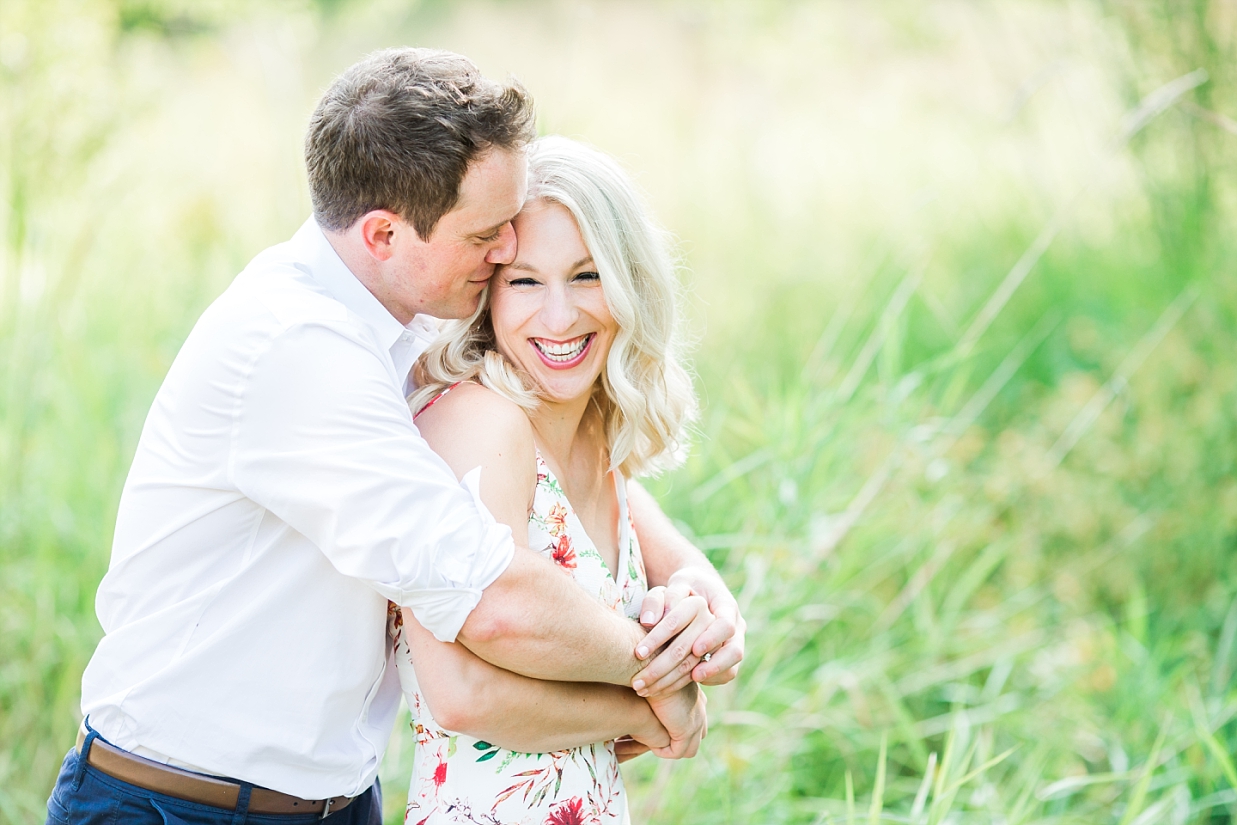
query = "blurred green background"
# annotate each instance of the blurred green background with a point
(963, 296)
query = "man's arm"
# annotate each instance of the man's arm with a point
(323, 440)
(535, 621)
(469, 695)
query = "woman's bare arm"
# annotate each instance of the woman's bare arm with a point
(681, 569)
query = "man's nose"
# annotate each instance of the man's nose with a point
(503, 251)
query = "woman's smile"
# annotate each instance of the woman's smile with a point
(563, 355)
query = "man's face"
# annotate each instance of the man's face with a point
(444, 275)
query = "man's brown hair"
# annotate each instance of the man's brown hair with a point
(398, 130)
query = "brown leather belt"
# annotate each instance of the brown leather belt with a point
(195, 787)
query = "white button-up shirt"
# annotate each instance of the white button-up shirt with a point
(280, 495)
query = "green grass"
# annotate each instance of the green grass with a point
(986, 557)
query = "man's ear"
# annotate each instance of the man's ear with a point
(379, 229)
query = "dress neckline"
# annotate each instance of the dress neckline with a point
(618, 576)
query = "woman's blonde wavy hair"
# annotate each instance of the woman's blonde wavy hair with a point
(645, 393)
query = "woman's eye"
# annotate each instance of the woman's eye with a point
(522, 282)
(588, 277)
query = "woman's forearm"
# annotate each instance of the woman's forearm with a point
(468, 695)
(671, 560)
(666, 551)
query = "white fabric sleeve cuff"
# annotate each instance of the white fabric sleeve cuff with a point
(443, 611)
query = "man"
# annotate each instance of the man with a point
(280, 495)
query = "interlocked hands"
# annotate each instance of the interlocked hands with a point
(692, 617)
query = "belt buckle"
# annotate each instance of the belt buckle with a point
(326, 808)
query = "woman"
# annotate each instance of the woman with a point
(564, 384)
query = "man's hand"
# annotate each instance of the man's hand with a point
(626, 748)
(723, 638)
(653, 737)
(678, 630)
(683, 715)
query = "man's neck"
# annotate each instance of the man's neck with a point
(366, 270)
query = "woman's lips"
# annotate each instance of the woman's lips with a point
(562, 355)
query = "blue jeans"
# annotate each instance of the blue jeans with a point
(86, 796)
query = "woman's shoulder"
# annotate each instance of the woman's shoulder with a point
(475, 422)
(469, 401)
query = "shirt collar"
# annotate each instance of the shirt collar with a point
(328, 269)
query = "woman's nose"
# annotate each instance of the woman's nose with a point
(559, 311)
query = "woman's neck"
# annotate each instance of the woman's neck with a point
(560, 426)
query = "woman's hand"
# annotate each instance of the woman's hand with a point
(683, 715)
(723, 639)
(678, 630)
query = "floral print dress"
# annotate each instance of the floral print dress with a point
(459, 779)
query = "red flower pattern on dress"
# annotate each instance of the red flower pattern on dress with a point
(569, 813)
(563, 553)
(440, 774)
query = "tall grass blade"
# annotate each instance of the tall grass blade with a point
(1006, 370)
(1221, 671)
(730, 473)
(1155, 103)
(841, 525)
(1219, 752)
(878, 792)
(1072, 784)
(942, 805)
(850, 798)
(1214, 118)
(1144, 782)
(993, 762)
(1120, 379)
(1014, 278)
(1155, 813)
(895, 306)
(921, 795)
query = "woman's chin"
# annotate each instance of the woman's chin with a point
(553, 389)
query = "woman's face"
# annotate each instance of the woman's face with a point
(547, 307)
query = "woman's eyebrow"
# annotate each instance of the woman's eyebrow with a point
(587, 259)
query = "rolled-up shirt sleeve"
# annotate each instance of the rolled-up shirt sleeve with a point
(322, 439)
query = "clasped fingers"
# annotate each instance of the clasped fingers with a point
(678, 632)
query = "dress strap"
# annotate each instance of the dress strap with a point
(434, 400)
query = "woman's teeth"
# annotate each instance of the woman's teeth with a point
(562, 352)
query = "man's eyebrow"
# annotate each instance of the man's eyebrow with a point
(493, 229)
